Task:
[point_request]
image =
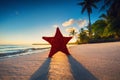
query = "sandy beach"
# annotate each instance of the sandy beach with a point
(99, 61)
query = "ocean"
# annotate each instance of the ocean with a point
(17, 50)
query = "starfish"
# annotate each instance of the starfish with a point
(58, 43)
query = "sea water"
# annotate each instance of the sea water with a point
(16, 50)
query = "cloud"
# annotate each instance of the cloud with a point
(68, 23)
(82, 23)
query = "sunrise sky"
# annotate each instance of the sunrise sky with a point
(26, 21)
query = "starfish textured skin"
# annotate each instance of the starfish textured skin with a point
(58, 43)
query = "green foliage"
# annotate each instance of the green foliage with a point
(87, 5)
(83, 37)
(107, 28)
(113, 19)
(115, 26)
(98, 28)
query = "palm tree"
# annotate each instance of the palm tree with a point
(113, 13)
(106, 17)
(73, 32)
(88, 5)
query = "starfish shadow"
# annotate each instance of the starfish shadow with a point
(79, 71)
(42, 72)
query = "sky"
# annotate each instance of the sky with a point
(26, 21)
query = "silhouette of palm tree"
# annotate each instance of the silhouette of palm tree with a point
(113, 15)
(88, 5)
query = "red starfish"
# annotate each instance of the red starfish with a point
(58, 43)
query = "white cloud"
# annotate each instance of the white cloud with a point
(68, 23)
(82, 23)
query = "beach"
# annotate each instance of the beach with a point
(99, 61)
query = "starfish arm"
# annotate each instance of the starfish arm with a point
(67, 39)
(49, 39)
(58, 34)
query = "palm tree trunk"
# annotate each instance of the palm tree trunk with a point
(89, 26)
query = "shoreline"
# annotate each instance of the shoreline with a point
(92, 61)
(23, 52)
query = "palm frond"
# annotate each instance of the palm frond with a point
(94, 5)
(102, 8)
(81, 3)
(108, 2)
(83, 9)
(95, 1)
(102, 16)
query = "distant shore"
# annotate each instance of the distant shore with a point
(87, 62)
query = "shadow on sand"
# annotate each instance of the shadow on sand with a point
(42, 72)
(78, 71)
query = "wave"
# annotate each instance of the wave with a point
(22, 51)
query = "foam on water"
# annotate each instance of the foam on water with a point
(13, 50)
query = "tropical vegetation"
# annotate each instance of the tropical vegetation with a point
(107, 28)
(88, 5)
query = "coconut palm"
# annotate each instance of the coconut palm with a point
(113, 14)
(88, 5)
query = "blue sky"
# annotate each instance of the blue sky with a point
(26, 21)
